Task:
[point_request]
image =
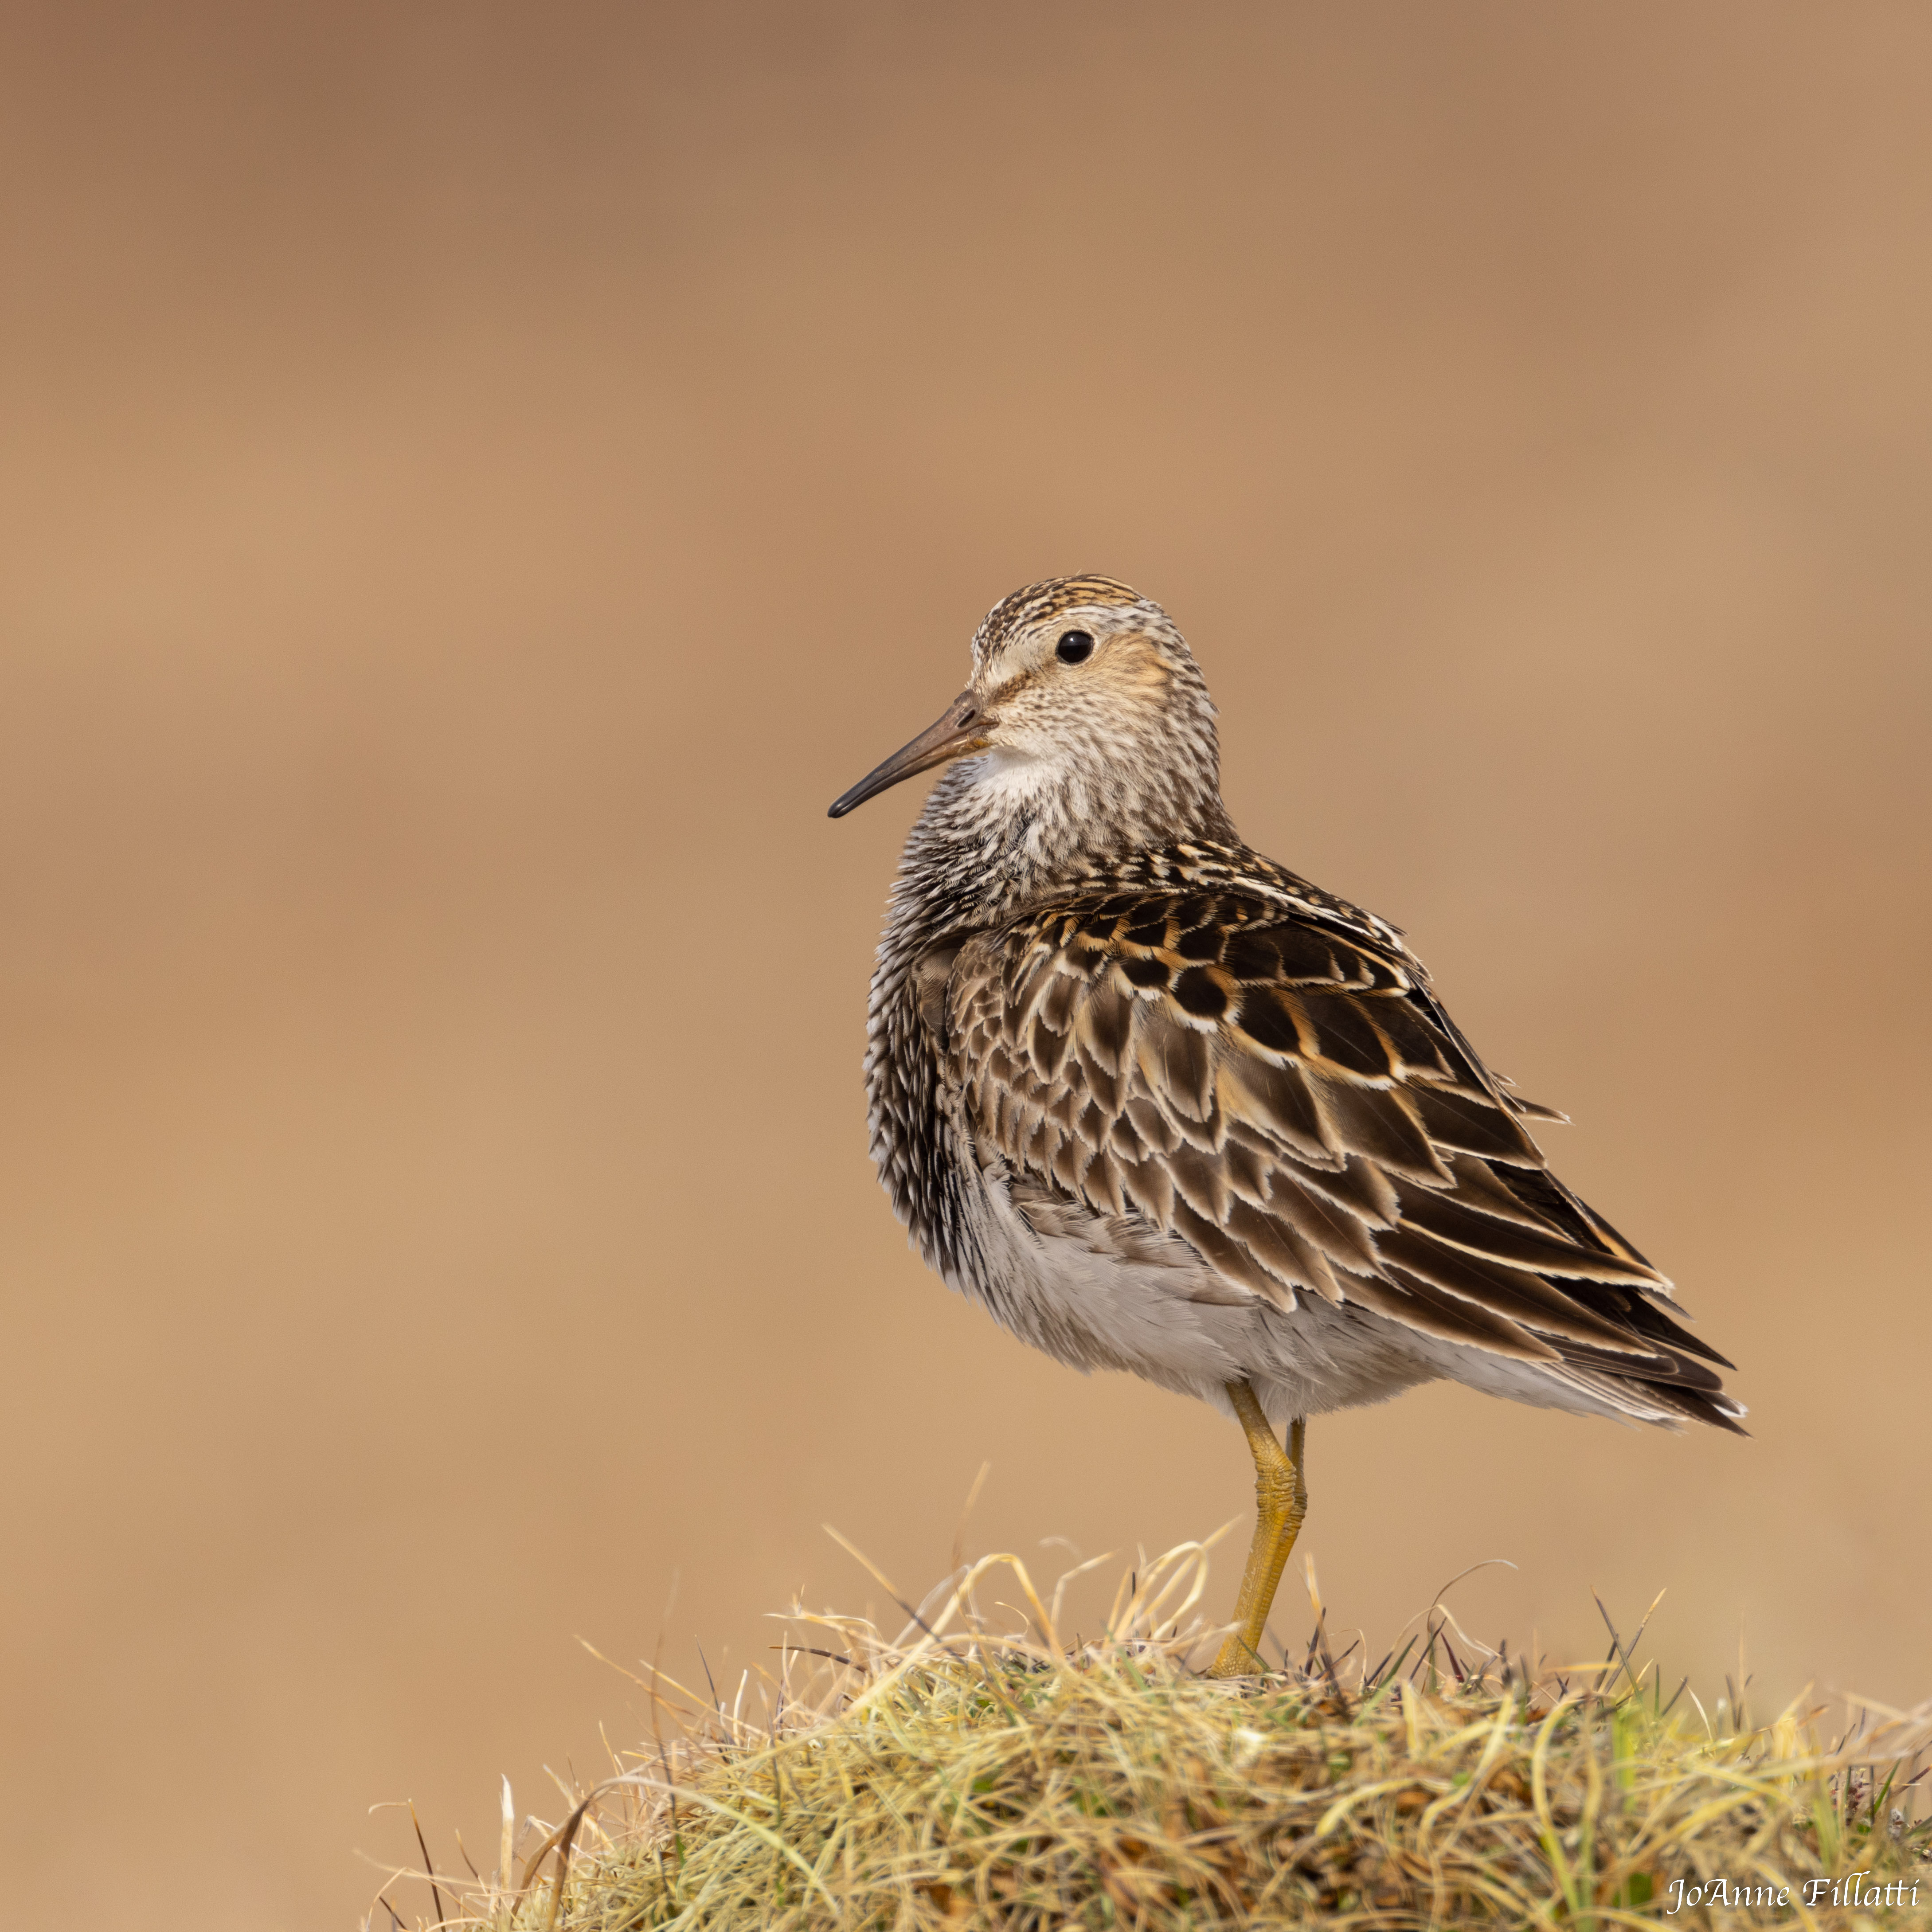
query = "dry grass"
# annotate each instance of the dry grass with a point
(954, 1776)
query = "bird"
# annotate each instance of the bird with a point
(1159, 1105)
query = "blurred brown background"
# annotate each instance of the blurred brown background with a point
(476, 480)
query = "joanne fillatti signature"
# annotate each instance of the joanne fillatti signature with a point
(1845, 1891)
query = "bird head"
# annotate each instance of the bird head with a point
(1083, 693)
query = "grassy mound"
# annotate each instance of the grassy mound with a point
(956, 1777)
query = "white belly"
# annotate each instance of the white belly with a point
(1097, 1291)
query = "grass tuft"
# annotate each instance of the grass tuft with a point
(958, 1775)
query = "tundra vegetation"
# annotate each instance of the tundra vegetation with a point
(987, 1766)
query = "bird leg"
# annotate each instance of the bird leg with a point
(1281, 1501)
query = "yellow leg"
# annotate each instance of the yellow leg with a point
(1281, 1501)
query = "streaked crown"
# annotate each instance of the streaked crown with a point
(1038, 604)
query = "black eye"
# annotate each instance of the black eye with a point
(1074, 647)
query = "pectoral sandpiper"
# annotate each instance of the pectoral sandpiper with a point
(1159, 1105)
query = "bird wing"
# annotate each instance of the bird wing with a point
(1270, 1077)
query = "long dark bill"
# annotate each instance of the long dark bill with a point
(960, 729)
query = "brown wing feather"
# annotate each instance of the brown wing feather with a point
(1290, 1100)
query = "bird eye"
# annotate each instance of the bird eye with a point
(1074, 647)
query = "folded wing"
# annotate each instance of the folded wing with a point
(1284, 1093)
